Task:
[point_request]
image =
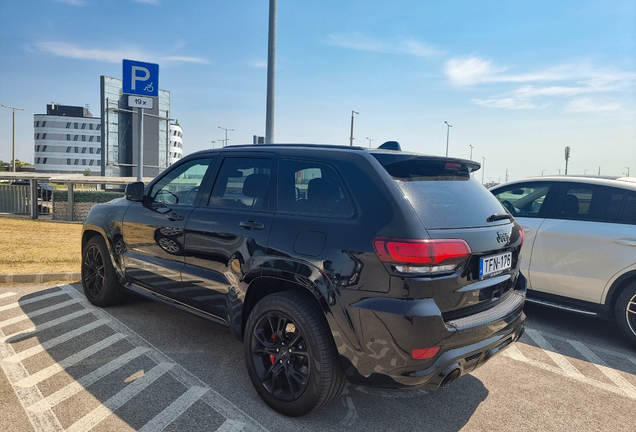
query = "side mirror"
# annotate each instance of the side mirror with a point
(134, 191)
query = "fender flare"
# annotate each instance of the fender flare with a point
(100, 227)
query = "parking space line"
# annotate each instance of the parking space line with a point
(47, 325)
(85, 381)
(559, 359)
(621, 382)
(176, 408)
(7, 294)
(37, 312)
(55, 341)
(31, 300)
(94, 417)
(230, 426)
(68, 362)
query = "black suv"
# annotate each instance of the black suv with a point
(384, 268)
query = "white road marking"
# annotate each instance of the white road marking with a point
(37, 312)
(231, 426)
(560, 360)
(68, 362)
(31, 300)
(176, 408)
(513, 352)
(47, 325)
(7, 294)
(621, 382)
(85, 381)
(94, 417)
(53, 342)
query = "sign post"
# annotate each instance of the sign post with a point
(140, 79)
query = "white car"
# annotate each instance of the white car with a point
(580, 249)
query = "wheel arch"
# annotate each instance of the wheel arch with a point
(617, 286)
(93, 228)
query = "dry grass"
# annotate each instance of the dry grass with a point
(30, 246)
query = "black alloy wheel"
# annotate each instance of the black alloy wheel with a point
(99, 278)
(280, 356)
(625, 312)
(290, 354)
(93, 271)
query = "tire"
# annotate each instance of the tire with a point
(99, 279)
(625, 312)
(290, 355)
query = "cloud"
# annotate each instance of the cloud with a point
(152, 2)
(361, 42)
(258, 63)
(589, 105)
(68, 50)
(509, 103)
(466, 71)
(72, 2)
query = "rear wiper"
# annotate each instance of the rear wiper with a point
(498, 216)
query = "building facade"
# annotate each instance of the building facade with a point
(176, 142)
(67, 140)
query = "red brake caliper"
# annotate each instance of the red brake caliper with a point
(272, 358)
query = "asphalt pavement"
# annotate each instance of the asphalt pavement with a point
(146, 366)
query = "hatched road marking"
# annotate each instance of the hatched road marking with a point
(39, 409)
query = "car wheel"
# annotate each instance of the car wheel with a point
(290, 355)
(625, 312)
(99, 279)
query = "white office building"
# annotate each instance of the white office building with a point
(176, 142)
(67, 140)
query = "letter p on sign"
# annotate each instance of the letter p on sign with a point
(140, 78)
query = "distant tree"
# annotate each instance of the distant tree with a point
(87, 172)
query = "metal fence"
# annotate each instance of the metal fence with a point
(14, 199)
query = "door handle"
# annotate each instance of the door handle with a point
(525, 230)
(174, 217)
(626, 242)
(251, 225)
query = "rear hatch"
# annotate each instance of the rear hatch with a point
(454, 207)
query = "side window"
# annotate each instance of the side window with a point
(242, 184)
(181, 185)
(311, 188)
(591, 203)
(524, 200)
(629, 210)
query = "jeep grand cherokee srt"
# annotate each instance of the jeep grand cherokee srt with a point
(381, 267)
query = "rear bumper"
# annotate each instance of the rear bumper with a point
(391, 328)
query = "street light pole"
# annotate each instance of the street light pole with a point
(374, 140)
(483, 169)
(351, 137)
(542, 171)
(559, 171)
(627, 171)
(13, 154)
(471, 150)
(447, 134)
(226, 138)
(213, 144)
(271, 74)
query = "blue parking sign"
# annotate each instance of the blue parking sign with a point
(140, 78)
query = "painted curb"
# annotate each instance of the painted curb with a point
(40, 277)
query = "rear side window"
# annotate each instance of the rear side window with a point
(629, 210)
(242, 184)
(591, 203)
(444, 195)
(311, 188)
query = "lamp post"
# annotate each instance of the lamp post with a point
(213, 143)
(374, 140)
(471, 150)
(271, 74)
(351, 137)
(627, 171)
(13, 154)
(542, 171)
(483, 169)
(226, 138)
(447, 134)
(559, 171)
(585, 171)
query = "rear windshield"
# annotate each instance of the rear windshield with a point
(445, 195)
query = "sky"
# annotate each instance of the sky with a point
(518, 81)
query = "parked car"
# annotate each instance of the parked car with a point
(390, 269)
(45, 190)
(581, 252)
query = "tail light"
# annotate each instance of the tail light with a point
(431, 256)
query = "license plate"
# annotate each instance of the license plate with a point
(495, 264)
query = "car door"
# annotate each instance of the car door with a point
(225, 237)
(578, 248)
(529, 204)
(153, 230)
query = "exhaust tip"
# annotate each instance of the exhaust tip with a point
(448, 379)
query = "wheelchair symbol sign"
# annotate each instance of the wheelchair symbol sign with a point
(140, 78)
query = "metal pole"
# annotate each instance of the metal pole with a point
(447, 134)
(471, 151)
(351, 136)
(370, 141)
(140, 144)
(483, 169)
(627, 171)
(13, 154)
(271, 74)
(226, 139)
